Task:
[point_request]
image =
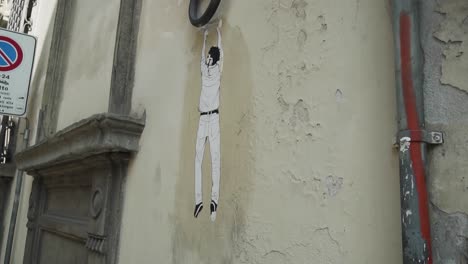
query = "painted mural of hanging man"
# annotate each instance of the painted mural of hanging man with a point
(208, 126)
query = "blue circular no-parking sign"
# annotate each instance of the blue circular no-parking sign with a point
(11, 54)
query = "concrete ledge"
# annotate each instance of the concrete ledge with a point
(98, 134)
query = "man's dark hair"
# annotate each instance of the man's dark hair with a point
(214, 53)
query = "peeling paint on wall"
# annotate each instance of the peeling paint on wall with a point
(450, 236)
(444, 34)
(453, 31)
(448, 166)
(334, 185)
(296, 117)
(297, 185)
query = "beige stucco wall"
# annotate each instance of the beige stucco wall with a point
(89, 57)
(307, 118)
(308, 172)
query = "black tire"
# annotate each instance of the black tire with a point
(207, 15)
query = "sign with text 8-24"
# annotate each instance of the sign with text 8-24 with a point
(16, 63)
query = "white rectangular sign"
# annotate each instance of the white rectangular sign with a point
(16, 63)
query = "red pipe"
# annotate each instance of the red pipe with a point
(413, 124)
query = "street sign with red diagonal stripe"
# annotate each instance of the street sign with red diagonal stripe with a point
(16, 64)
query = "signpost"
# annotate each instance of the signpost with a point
(16, 63)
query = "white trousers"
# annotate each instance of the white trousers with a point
(208, 128)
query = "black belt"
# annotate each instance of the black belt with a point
(210, 112)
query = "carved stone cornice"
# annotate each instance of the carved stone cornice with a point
(98, 134)
(89, 159)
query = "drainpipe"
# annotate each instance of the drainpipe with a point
(412, 136)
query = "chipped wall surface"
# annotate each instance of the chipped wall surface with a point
(445, 45)
(453, 31)
(308, 172)
(448, 185)
(444, 101)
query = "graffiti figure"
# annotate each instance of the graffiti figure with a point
(208, 126)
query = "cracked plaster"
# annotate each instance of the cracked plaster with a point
(445, 44)
(306, 98)
(453, 31)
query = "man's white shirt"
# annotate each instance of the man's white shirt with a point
(211, 82)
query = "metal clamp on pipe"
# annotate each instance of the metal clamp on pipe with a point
(432, 137)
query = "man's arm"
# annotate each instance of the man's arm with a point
(203, 57)
(221, 52)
